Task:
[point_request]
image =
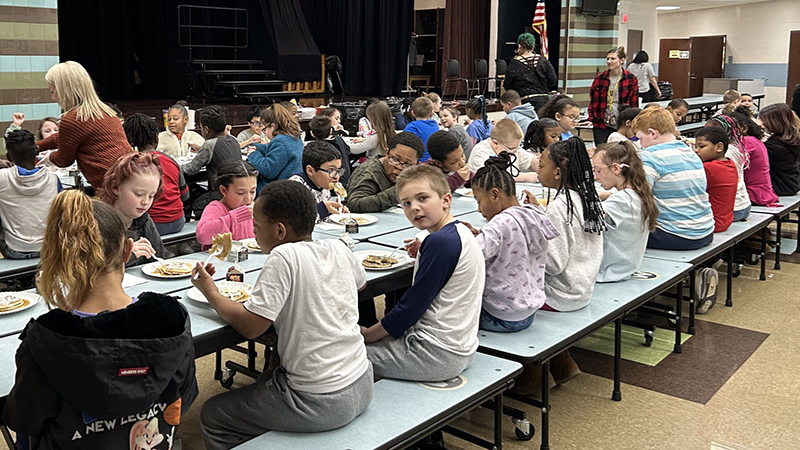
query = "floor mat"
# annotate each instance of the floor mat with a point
(633, 348)
(708, 360)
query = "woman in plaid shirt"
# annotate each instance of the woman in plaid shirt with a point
(610, 90)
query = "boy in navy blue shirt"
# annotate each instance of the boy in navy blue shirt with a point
(424, 126)
(432, 332)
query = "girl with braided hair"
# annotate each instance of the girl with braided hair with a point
(480, 128)
(738, 154)
(167, 211)
(756, 176)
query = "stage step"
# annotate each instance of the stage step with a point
(235, 72)
(253, 95)
(250, 62)
(251, 82)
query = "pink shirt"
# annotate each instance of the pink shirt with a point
(217, 218)
(756, 177)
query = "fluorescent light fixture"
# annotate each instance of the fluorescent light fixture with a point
(667, 8)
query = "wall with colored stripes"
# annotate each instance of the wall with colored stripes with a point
(584, 43)
(28, 48)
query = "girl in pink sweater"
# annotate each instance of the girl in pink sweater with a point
(756, 177)
(236, 181)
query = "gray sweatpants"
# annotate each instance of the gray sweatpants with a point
(268, 404)
(413, 358)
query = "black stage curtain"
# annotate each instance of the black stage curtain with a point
(370, 37)
(298, 55)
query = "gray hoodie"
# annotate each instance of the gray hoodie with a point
(523, 115)
(24, 204)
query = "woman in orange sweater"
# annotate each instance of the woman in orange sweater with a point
(89, 132)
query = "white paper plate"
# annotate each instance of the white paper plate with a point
(251, 245)
(32, 298)
(366, 219)
(150, 269)
(197, 296)
(401, 256)
(465, 192)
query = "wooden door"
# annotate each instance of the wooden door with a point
(707, 60)
(793, 78)
(674, 70)
(634, 44)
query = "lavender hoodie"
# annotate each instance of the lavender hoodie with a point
(514, 244)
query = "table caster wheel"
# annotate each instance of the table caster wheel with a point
(226, 379)
(648, 338)
(523, 429)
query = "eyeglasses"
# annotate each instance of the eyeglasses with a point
(597, 169)
(512, 150)
(397, 163)
(256, 123)
(572, 118)
(332, 172)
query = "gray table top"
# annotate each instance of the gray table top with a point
(790, 203)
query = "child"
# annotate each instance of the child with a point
(630, 212)
(324, 380)
(747, 102)
(437, 105)
(624, 131)
(291, 106)
(721, 174)
(731, 99)
(404, 117)
(99, 359)
(432, 332)
(364, 124)
(281, 158)
(26, 192)
(336, 120)
(167, 211)
(254, 134)
(321, 129)
(424, 126)
(47, 127)
(541, 134)
(756, 177)
(449, 120)
(685, 221)
(218, 146)
(573, 257)
(447, 154)
(131, 185)
(737, 153)
(478, 130)
(677, 107)
(563, 110)
(323, 167)
(516, 111)
(514, 233)
(783, 147)
(236, 182)
(176, 140)
(372, 184)
(377, 143)
(506, 136)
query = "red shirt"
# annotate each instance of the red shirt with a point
(169, 207)
(721, 180)
(598, 95)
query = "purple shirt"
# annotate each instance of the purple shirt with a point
(84, 315)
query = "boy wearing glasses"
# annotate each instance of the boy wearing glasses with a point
(254, 134)
(322, 166)
(506, 137)
(321, 129)
(372, 184)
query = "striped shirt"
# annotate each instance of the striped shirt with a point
(679, 187)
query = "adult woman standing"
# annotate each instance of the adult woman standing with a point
(89, 131)
(644, 73)
(529, 73)
(610, 90)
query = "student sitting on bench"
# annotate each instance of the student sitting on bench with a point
(737, 153)
(676, 174)
(721, 177)
(324, 379)
(432, 332)
(446, 153)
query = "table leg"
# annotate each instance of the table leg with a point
(763, 275)
(729, 287)
(545, 406)
(616, 395)
(778, 243)
(679, 313)
(692, 300)
(498, 421)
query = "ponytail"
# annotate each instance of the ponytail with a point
(734, 137)
(498, 172)
(478, 106)
(83, 240)
(572, 160)
(631, 167)
(284, 121)
(534, 136)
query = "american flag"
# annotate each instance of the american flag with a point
(540, 27)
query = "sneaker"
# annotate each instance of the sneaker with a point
(529, 382)
(706, 289)
(564, 368)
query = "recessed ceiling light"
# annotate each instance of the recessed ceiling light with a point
(667, 8)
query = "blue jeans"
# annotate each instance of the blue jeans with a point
(660, 239)
(170, 227)
(489, 322)
(741, 215)
(13, 254)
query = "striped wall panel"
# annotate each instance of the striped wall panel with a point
(584, 43)
(28, 48)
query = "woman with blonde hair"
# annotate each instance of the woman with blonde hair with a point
(380, 116)
(89, 131)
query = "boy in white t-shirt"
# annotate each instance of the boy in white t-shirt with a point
(432, 332)
(506, 136)
(325, 379)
